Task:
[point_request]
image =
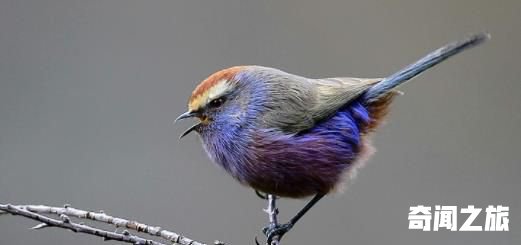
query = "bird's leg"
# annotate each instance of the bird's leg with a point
(274, 230)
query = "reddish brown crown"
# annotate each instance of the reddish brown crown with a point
(202, 91)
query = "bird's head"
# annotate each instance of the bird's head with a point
(218, 102)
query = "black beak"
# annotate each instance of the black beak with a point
(185, 115)
(189, 130)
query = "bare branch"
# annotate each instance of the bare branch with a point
(32, 212)
(66, 223)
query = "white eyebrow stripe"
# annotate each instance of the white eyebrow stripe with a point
(218, 89)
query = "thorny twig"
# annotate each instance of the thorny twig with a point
(272, 215)
(272, 212)
(34, 212)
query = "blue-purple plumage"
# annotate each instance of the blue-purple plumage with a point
(293, 136)
(293, 165)
(313, 161)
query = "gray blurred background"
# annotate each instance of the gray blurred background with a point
(89, 90)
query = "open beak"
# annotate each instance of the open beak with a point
(188, 114)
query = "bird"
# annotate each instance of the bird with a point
(292, 136)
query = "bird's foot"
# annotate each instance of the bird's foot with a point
(276, 231)
(261, 195)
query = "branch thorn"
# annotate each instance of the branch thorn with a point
(39, 226)
(65, 218)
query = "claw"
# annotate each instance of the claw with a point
(277, 231)
(261, 195)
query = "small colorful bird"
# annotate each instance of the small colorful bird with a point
(293, 136)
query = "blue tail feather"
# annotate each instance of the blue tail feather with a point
(423, 64)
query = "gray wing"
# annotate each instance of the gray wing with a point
(297, 103)
(333, 93)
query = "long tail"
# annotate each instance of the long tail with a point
(430, 60)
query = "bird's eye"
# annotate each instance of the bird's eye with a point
(216, 102)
